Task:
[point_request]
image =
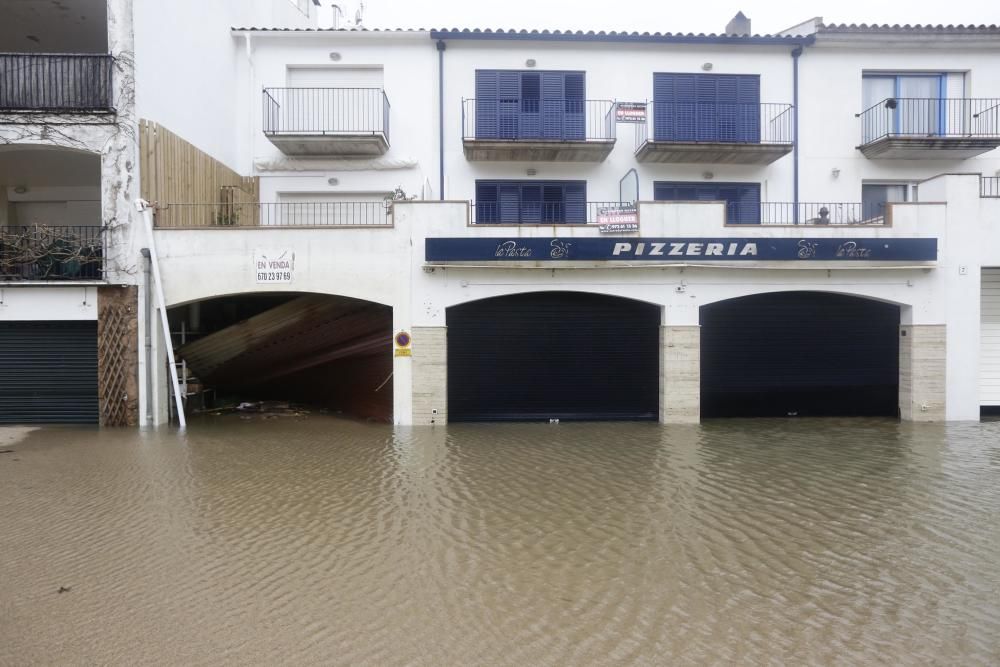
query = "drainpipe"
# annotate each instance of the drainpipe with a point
(441, 47)
(796, 52)
(148, 315)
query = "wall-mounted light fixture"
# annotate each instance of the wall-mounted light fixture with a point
(333, 181)
(835, 172)
(334, 56)
(530, 62)
(20, 189)
(708, 175)
(532, 172)
(707, 67)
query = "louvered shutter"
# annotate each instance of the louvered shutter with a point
(531, 101)
(531, 203)
(509, 90)
(576, 202)
(487, 100)
(487, 202)
(552, 105)
(748, 97)
(509, 201)
(749, 205)
(575, 122)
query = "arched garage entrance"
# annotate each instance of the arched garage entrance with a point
(553, 355)
(799, 353)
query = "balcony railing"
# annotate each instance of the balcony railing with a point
(326, 111)
(274, 215)
(521, 119)
(989, 186)
(42, 252)
(55, 82)
(714, 122)
(811, 213)
(539, 213)
(931, 117)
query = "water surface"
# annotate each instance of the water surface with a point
(317, 540)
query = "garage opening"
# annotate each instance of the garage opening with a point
(313, 350)
(553, 355)
(799, 354)
(49, 372)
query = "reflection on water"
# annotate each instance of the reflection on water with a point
(319, 540)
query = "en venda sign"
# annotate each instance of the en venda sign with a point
(679, 249)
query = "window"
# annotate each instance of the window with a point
(706, 107)
(742, 199)
(918, 106)
(530, 105)
(531, 202)
(874, 196)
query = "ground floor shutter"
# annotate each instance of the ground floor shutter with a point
(48, 372)
(989, 351)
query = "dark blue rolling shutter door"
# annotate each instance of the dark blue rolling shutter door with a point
(509, 86)
(576, 202)
(575, 124)
(487, 99)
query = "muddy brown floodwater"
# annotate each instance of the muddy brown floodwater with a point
(317, 540)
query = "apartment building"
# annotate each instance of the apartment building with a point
(455, 225)
(84, 88)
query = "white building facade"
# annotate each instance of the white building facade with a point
(468, 226)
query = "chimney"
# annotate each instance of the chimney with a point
(740, 25)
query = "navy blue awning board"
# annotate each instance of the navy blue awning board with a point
(512, 104)
(680, 250)
(706, 107)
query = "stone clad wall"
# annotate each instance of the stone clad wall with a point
(922, 376)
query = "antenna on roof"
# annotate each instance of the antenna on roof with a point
(338, 14)
(359, 16)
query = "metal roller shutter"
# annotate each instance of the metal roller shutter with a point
(49, 372)
(989, 351)
(551, 355)
(799, 353)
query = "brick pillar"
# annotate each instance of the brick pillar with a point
(680, 374)
(430, 375)
(118, 355)
(922, 361)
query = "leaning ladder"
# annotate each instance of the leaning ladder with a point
(161, 305)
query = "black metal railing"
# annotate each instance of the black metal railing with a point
(514, 119)
(813, 213)
(930, 117)
(55, 82)
(276, 214)
(326, 111)
(541, 213)
(43, 252)
(989, 186)
(716, 122)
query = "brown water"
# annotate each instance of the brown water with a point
(323, 541)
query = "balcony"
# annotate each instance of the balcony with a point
(56, 82)
(342, 122)
(366, 214)
(909, 128)
(533, 130)
(816, 213)
(714, 133)
(51, 253)
(547, 213)
(989, 187)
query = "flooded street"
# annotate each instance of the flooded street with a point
(319, 540)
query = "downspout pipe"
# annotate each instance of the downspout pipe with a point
(441, 47)
(796, 52)
(148, 316)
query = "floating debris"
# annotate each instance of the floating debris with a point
(64, 589)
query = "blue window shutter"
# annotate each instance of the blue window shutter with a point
(487, 202)
(487, 99)
(663, 107)
(531, 202)
(742, 199)
(707, 94)
(748, 97)
(531, 111)
(749, 204)
(575, 202)
(552, 105)
(727, 108)
(509, 89)
(575, 124)
(510, 201)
